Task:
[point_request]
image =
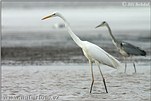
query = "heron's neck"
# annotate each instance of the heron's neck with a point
(74, 37)
(110, 32)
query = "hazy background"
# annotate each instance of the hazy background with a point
(25, 37)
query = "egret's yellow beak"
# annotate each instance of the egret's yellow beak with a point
(49, 16)
(99, 25)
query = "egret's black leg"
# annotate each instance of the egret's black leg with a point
(103, 78)
(92, 77)
(105, 85)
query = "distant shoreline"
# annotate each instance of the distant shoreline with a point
(48, 55)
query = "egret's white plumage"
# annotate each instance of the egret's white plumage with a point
(95, 53)
(92, 52)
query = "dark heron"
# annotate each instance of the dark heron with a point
(124, 48)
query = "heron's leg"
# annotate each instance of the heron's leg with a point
(102, 78)
(133, 64)
(92, 76)
(125, 65)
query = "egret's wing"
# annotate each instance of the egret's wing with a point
(100, 55)
(131, 49)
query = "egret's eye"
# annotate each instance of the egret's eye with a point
(54, 14)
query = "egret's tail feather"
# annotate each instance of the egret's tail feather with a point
(115, 63)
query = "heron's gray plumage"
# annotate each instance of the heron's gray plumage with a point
(124, 48)
(132, 50)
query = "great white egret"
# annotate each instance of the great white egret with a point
(92, 52)
(124, 48)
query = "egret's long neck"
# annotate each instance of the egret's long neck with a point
(110, 32)
(74, 37)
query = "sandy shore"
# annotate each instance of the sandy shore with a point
(72, 82)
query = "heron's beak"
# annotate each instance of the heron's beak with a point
(99, 26)
(46, 17)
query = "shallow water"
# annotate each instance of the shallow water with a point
(72, 82)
